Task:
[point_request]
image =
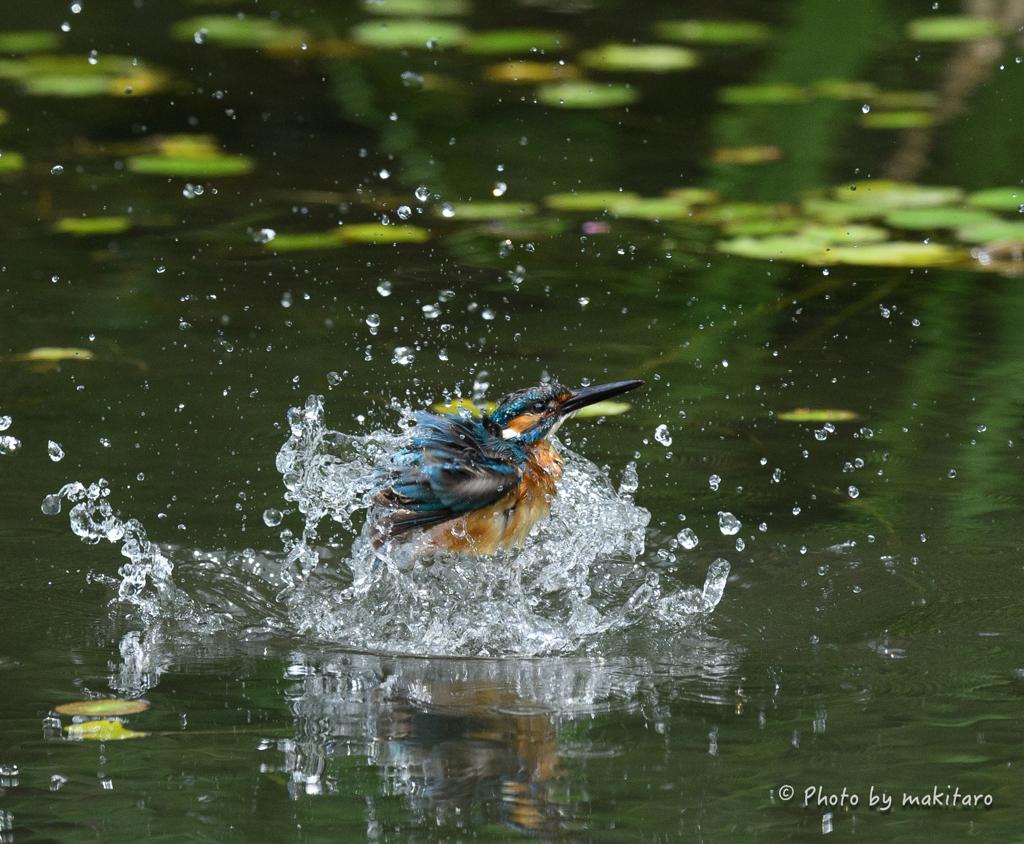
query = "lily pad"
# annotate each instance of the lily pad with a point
(897, 254)
(71, 76)
(85, 226)
(522, 71)
(999, 199)
(53, 354)
(780, 93)
(808, 414)
(886, 195)
(343, 235)
(747, 155)
(11, 162)
(409, 34)
(713, 32)
(763, 228)
(588, 200)
(190, 155)
(992, 231)
(233, 31)
(650, 208)
(898, 119)
(491, 210)
(652, 58)
(107, 707)
(954, 28)
(418, 8)
(694, 196)
(102, 730)
(903, 100)
(841, 89)
(511, 41)
(583, 94)
(938, 217)
(30, 41)
(600, 408)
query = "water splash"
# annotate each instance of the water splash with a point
(579, 584)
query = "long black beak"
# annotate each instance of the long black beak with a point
(599, 392)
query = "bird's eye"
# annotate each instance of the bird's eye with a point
(538, 407)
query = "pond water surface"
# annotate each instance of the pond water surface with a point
(780, 593)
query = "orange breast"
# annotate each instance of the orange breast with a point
(508, 522)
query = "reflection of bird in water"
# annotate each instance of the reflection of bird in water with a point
(474, 743)
(476, 486)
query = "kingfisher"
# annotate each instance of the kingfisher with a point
(474, 486)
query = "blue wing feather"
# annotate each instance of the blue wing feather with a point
(452, 466)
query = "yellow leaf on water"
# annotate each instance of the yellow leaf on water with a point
(53, 354)
(807, 414)
(107, 707)
(102, 730)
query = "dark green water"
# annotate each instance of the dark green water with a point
(868, 637)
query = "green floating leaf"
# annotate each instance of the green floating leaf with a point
(418, 8)
(491, 210)
(938, 217)
(582, 94)
(763, 228)
(732, 211)
(780, 93)
(378, 233)
(904, 100)
(84, 226)
(190, 155)
(713, 32)
(655, 58)
(511, 41)
(31, 41)
(885, 195)
(999, 199)
(350, 233)
(409, 34)
(71, 76)
(992, 231)
(807, 414)
(107, 707)
(841, 89)
(954, 28)
(232, 31)
(896, 254)
(694, 196)
(588, 200)
(898, 119)
(53, 354)
(746, 156)
(11, 162)
(600, 408)
(793, 248)
(102, 730)
(652, 208)
(529, 72)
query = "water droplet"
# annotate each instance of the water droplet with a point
(403, 355)
(200, 36)
(5, 422)
(584, 301)
(385, 174)
(422, 193)
(505, 248)
(499, 189)
(447, 210)
(411, 80)
(821, 434)
(404, 212)
(431, 311)
(488, 314)
(853, 492)
(740, 544)
(713, 482)
(373, 320)
(51, 505)
(93, 57)
(728, 524)
(55, 451)
(184, 326)
(796, 511)
(662, 435)
(272, 517)
(264, 235)
(65, 27)
(9, 445)
(951, 473)
(442, 354)
(104, 442)
(384, 288)
(865, 108)
(431, 43)
(687, 538)
(161, 269)
(56, 170)
(333, 378)
(982, 429)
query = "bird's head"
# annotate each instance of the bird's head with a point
(535, 413)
